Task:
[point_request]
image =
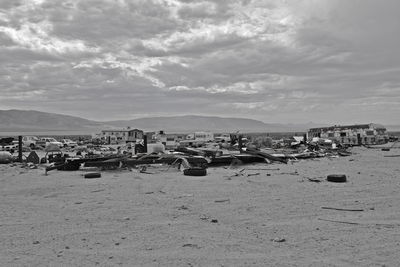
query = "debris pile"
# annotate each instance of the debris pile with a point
(191, 160)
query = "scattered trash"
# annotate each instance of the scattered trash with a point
(191, 245)
(330, 208)
(33, 158)
(5, 157)
(92, 175)
(290, 173)
(336, 178)
(214, 221)
(222, 200)
(266, 155)
(99, 190)
(143, 169)
(314, 180)
(204, 217)
(278, 240)
(326, 220)
(263, 169)
(195, 171)
(185, 195)
(253, 174)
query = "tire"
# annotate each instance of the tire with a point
(336, 178)
(195, 172)
(92, 175)
(70, 166)
(32, 146)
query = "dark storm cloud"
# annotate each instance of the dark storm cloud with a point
(329, 61)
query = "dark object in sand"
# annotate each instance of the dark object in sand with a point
(341, 209)
(195, 171)
(266, 155)
(91, 175)
(336, 178)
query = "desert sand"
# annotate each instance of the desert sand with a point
(231, 217)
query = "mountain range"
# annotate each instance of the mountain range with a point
(36, 121)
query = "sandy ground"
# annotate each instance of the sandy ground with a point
(167, 219)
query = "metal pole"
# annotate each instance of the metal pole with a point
(20, 148)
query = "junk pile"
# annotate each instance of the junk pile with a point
(194, 161)
(190, 160)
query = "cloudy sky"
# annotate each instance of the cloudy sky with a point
(331, 61)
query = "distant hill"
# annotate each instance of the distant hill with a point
(192, 123)
(30, 121)
(36, 121)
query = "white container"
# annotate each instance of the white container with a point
(157, 147)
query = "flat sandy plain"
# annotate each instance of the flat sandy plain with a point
(163, 218)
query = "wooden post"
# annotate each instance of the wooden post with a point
(145, 143)
(20, 148)
(240, 143)
(359, 141)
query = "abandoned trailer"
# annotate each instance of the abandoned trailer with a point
(117, 136)
(359, 134)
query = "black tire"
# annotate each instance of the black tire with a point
(69, 166)
(32, 146)
(336, 178)
(195, 172)
(91, 175)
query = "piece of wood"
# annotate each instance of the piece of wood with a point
(370, 224)
(326, 220)
(330, 208)
(265, 155)
(262, 169)
(221, 200)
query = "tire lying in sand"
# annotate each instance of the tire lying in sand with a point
(336, 178)
(195, 172)
(91, 175)
(5, 157)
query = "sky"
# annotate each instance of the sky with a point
(284, 61)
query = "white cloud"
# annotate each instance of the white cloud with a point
(35, 36)
(304, 60)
